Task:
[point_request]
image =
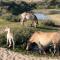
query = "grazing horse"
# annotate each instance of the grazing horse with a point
(28, 15)
(43, 39)
(9, 37)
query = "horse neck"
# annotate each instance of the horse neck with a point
(8, 32)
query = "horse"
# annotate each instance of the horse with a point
(43, 39)
(9, 37)
(28, 15)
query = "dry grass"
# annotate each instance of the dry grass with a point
(55, 18)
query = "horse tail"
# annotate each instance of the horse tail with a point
(36, 19)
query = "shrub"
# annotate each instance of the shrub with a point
(7, 16)
(2, 40)
(10, 17)
(22, 36)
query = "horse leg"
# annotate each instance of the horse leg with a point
(13, 43)
(33, 23)
(7, 41)
(28, 44)
(22, 22)
(54, 45)
(41, 48)
(10, 43)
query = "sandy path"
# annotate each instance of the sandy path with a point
(9, 55)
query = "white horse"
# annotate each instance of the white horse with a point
(28, 15)
(9, 37)
(43, 39)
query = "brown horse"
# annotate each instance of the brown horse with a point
(43, 39)
(28, 15)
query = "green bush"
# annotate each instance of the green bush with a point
(7, 16)
(10, 17)
(22, 36)
(2, 40)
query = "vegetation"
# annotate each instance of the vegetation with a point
(21, 33)
(11, 10)
(10, 14)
